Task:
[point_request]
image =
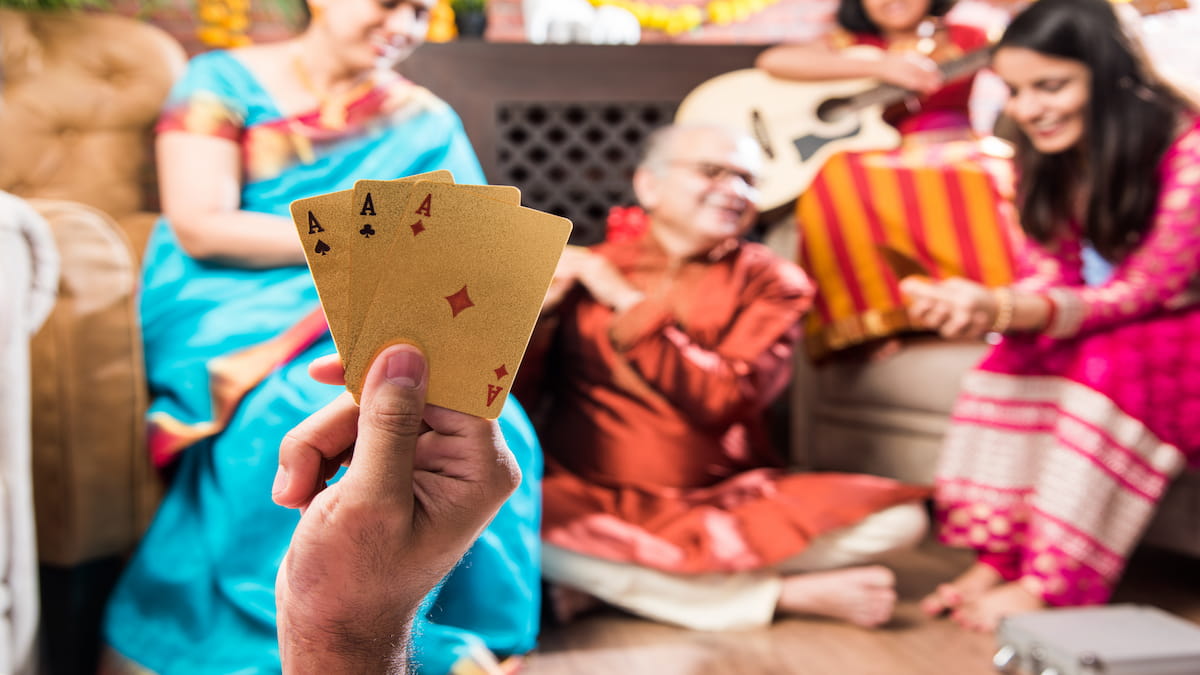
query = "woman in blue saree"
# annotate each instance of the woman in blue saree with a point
(231, 320)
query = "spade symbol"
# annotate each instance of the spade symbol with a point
(322, 247)
(367, 231)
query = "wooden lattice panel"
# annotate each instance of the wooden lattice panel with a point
(574, 159)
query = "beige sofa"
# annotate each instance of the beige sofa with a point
(887, 417)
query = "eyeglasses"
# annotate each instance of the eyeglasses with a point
(716, 172)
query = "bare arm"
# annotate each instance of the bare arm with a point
(200, 184)
(818, 60)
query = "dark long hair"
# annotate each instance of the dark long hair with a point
(853, 17)
(1132, 118)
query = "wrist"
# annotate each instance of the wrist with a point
(319, 640)
(325, 652)
(627, 299)
(1005, 308)
(1051, 312)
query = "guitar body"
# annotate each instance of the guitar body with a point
(783, 116)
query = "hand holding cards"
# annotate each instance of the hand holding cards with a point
(458, 270)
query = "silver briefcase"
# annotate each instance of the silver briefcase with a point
(1108, 640)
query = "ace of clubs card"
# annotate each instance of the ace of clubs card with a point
(466, 288)
(380, 213)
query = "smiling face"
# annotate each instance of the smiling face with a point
(1048, 97)
(373, 33)
(701, 190)
(896, 16)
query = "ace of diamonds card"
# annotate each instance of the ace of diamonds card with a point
(466, 287)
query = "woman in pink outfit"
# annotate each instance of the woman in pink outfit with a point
(1066, 436)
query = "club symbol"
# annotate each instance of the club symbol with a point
(418, 227)
(501, 372)
(459, 301)
(321, 248)
(367, 231)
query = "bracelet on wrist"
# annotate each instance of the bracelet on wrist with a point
(1051, 311)
(1004, 309)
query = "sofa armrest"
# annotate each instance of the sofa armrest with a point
(137, 227)
(94, 487)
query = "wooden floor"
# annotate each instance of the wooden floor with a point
(612, 643)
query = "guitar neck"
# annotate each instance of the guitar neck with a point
(887, 94)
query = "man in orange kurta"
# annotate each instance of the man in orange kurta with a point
(662, 495)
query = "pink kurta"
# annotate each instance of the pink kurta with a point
(1062, 444)
(657, 454)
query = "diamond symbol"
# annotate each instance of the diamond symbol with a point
(417, 227)
(501, 372)
(459, 301)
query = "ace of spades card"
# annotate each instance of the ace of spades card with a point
(466, 288)
(325, 226)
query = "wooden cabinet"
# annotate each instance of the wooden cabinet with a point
(565, 123)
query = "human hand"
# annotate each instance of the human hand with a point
(423, 483)
(913, 72)
(955, 307)
(601, 278)
(566, 274)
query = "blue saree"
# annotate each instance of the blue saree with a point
(198, 597)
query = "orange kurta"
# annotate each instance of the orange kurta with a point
(656, 449)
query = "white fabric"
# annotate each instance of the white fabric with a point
(730, 601)
(567, 21)
(28, 278)
(1169, 39)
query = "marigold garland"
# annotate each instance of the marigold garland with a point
(441, 23)
(678, 20)
(223, 23)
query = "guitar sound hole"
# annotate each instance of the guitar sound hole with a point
(834, 109)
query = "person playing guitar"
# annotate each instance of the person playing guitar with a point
(911, 38)
(940, 199)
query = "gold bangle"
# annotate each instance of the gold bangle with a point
(1004, 309)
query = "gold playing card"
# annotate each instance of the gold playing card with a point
(466, 286)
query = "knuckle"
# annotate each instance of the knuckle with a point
(397, 416)
(295, 446)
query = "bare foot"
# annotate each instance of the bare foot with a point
(984, 613)
(863, 596)
(567, 603)
(969, 585)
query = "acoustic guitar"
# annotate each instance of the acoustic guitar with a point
(800, 124)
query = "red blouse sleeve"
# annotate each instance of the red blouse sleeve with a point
(747, 367)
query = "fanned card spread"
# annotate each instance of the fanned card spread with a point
(460, 271)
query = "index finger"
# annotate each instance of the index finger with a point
(327, 370)
(326, 434)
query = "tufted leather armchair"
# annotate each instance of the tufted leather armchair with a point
(81, 93)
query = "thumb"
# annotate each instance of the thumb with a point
(393, 402)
